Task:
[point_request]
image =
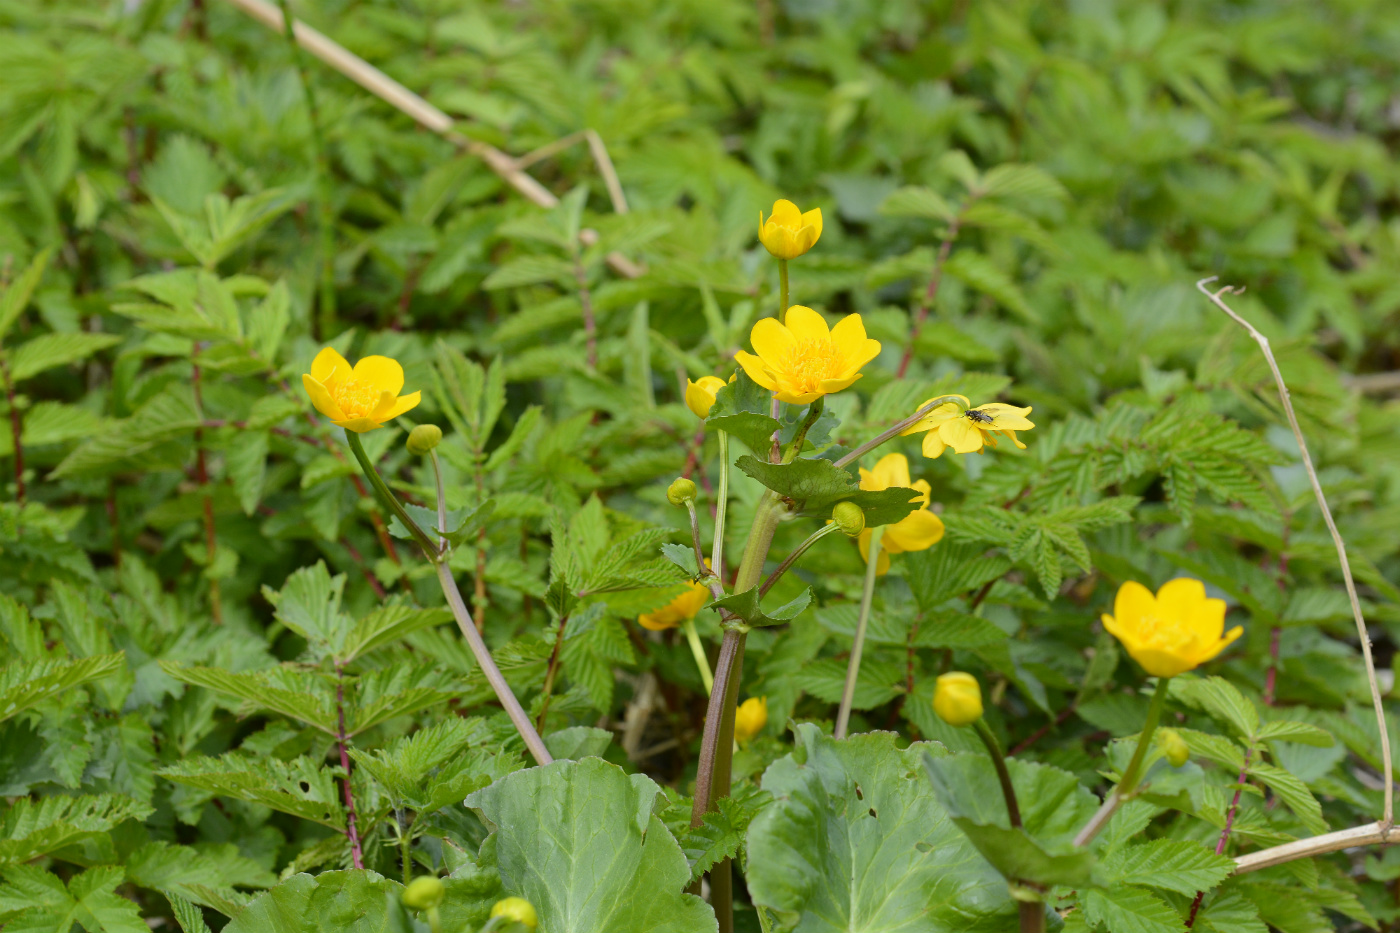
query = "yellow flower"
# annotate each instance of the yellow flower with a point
(789, 233)
(957, 698)
(685, 606)
(750, 718)
(803, 359)
(516, 910)
(359, 399)
(917, 531)
(1173, 632)
(967, 429)
(700, 395)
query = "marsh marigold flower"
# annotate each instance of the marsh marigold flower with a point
(750, 718)
(801, 360)
(965, 429)
(1173, 632)
(957, 698)
(917, 531)
(361, 398)
(700, 394)
(685, 606)
(789, 233)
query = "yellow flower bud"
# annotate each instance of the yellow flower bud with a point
(957, 699)
(516, 909)
(681, 491)
(789, 233)
(750, 718)
(423, 892)
(849, 517)
(1173, 746)
(424, 438)
(700, 395)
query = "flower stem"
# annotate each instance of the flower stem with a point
(721, 506)
(792, 558)
(867, 596)
(814, 411)
(1008, 791)
(1128, 785)
(388, 499)
(441, 503)
(782, 291)
(352, 830)
(885, 435)
(698, 649)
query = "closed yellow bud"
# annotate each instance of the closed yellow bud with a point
(681, 491)
(424, 438)
(789, 233)
(849, 517)
(750, 718)
(423, 892)
(957, 699)
(1173, 747)
(516, 909)
(700, 395)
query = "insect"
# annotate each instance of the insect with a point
(980, 416)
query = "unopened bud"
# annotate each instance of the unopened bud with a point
(957, 699)
(1173, 746)
(681, 491)
(516, 909)
(424, 438)
(849, 518)
(423, 893)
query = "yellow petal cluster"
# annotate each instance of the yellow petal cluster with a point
(802, 359)
(917, 531)
(685, 606)
(361, 398)
(967, 430)
(1173, 632)
(700, 395)
(789, 233)
(750, 718)
(957, 698)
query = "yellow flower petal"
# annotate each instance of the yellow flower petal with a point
(933, 445)
(358, 425)
(321, 397)
(755, 369)
(786, 214)
(1006, 417)
(832, 386)
(882, 564)
(891, 470)
(945, 412)
(961, 435)
(849, 335)
(773, 342)
(1133, 603)
(381, 372)
(813, 219)
(804, 324)
(329, 366)
(916, 531)
(399, 405)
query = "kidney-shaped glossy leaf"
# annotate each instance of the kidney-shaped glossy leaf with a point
(578, 839)
(856, 840)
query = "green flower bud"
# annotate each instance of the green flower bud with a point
(424, 438)
(423, 893)
(849, 518)
(681, 491)
(518, 910)
(1173, 746)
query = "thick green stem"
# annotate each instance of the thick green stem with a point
(867, 597)
(1008, 791)
(1127, 787)
(388, 499)
(721, 506)
(814, 411)
(406, 851)
(782, 291)
(697, 648)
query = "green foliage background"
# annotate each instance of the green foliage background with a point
(196, 585)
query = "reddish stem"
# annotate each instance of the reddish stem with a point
(351, 828)
(931, 293)
(16, 430)
(1224, 833)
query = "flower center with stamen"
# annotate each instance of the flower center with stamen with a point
(1165, 634)
(356, 397)
(810, 362)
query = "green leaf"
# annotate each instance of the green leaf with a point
(1221, 699)
(1286, 730)
(16, 298)
(360, 901)
(815, 486)
(246, 462)
(309, 604)
(1294, 794)
(1170, 864)
(580, 841)
(1053, 807)
(578, 742)
(28, 684)
(856, 840)
(1130, 910)
(746, 606)
(917, 202)
(1230, 912)
(34, 900)
(300, 787)
(755, 430)
(31, 828)
(981, 273)
(295, 694)
(386, 625)
(49, 350)
(187, 915)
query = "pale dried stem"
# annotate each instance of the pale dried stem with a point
(1387, 818)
